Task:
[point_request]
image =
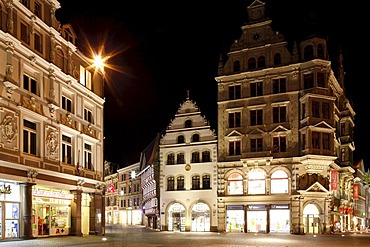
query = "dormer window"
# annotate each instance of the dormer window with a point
(188, 123)
(180, 139)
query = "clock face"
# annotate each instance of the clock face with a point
(256, 36)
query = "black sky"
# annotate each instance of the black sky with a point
(169, 47)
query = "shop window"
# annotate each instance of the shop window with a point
(235, 184)
(279, 182)
(256, 182)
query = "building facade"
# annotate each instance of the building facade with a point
(51, 116)
(188, 172)
(285, 135)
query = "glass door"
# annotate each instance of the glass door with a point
(43, 213)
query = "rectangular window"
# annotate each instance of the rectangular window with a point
(67, 149)
(234, 148)
(279, 144)
(37, 9)
(38, 42)
(308, 81)
(256, 117)
(30, 84)
(25, 37)
(279, 114)
(88, 115)
(303, 110)
(256, 145)
(326, 141)
(235, 92)
(206, 182)
(321, 79)
(170, 184)
(315, 109)
(325, 110)
(279, 85)
(256, 89)
(85, 77)
(180, 183)
(66, 103)
(234, 119)
(315, 140)
(88, 156)
(29, 137)
(195, 183)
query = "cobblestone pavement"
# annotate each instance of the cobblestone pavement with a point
(137, 236)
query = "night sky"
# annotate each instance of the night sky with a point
(160, 49)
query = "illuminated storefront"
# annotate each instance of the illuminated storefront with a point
(51, 212)
(256, 218)
(9, 210)
(200, 218)
(280, 218)
(176, 217)
(235, 218)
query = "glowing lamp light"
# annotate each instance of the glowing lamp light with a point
(99, 62)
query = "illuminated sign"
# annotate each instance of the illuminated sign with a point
(52, 194)
(110, 188)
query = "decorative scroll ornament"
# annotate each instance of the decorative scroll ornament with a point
(31, 175)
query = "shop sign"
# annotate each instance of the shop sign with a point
(257, 207)
(52, 194)
(355, 191)
(279, 206)
(334, 179)
(234, 207)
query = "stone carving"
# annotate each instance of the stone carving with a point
(52, 143)
(8, 128)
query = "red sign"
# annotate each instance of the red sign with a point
(334, 179)
(111, 188)
(355, 191)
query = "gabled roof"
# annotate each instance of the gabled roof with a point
(316, 187)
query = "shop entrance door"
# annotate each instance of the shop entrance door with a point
(176, 221)
(43, 213)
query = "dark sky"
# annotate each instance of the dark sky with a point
(161, 49)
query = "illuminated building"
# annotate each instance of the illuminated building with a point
(51, 143)
(188, 177)
(285, 135)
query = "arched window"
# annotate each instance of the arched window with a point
(279, 182)
(180, 159)
(180, 139)
(235, 184)
(170, 159)
(206, 182)
(236, 66)
(180, 183)
(195, 138)
(188, 123)
(251, 63)
(206, 156)
(308, 53)
(277, 59)
(170, 183)
(195, 182)
(256, 182)
(320, 51)
(261, 62)
(195, 157)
